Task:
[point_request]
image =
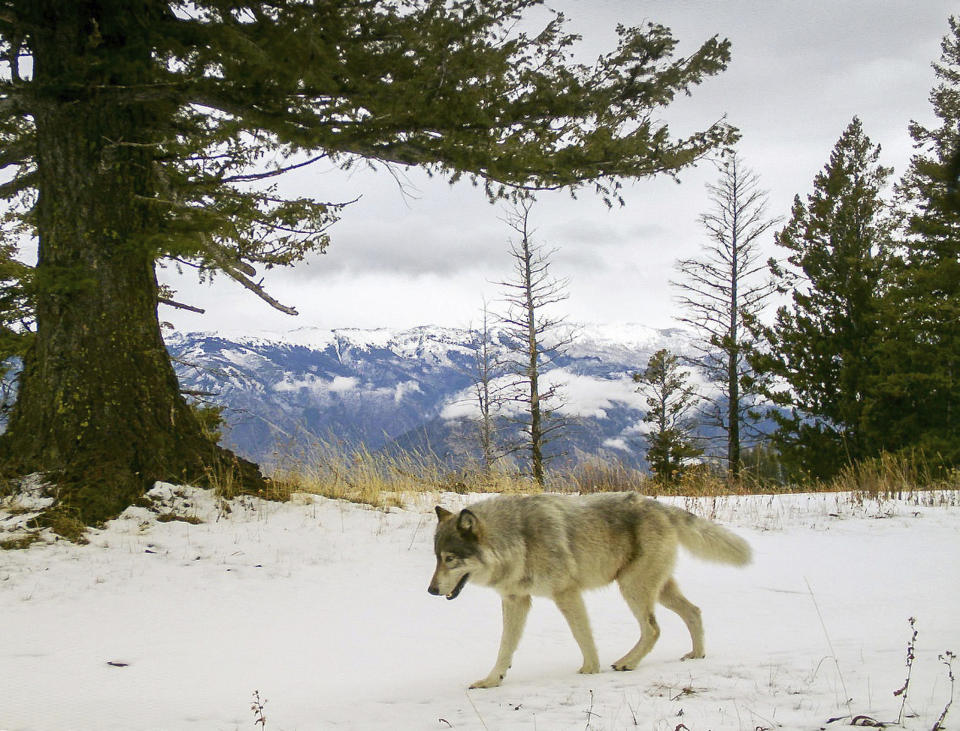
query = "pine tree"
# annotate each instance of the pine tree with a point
(15, 322)
(15, 313)
(670, 442)
(821, 349)
(920, 406)
(723, 294)
(140, 132)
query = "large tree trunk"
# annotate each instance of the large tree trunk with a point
(99, 402)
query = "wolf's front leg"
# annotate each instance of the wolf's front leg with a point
(515, 610)
(572, 607)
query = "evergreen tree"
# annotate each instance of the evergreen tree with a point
(670, 441)
(140, 131)
(821, 349)
(722, 296)
(15, 322)
(921, 359)
(15, 312)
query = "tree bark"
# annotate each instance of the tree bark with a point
(533, 370)
(733, 344)
(99, 403)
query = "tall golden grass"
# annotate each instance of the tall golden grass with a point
(362, 476)
(382, 480)
(891, 475)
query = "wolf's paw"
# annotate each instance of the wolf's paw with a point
(693, 656)
(589, 668)
(623, 664)
(491, 681)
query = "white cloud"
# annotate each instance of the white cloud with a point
(589, 396)
(404, 388)
(342, 384)
(319, 387)
(618, 443)
(581, 396)
(464, 405)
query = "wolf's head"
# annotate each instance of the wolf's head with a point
(457, 545)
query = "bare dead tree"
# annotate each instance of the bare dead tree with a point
(489, 390)
(723, 294)
(536, 337)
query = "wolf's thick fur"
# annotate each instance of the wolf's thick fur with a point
(558, 546)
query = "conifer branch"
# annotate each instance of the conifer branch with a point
(179, 305)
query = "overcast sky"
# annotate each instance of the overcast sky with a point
(799, 72)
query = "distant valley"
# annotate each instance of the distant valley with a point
(407, 389)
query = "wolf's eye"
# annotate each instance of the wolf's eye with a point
(448, 559)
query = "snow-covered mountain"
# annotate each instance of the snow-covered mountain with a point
(405, 388)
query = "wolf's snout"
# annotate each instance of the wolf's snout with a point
(433, 590)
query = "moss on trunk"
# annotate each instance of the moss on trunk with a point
(99, 407)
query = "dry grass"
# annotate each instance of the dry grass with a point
(600, 475)
(892, 475)
(226, 483)
(64, 522)
(19, 542)
(595, 474)
(171, 517)
(382, 480)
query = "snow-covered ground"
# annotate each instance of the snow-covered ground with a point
(322, 607)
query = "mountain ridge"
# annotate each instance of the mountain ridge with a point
(382, 387)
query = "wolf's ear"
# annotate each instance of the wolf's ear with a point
(442, 514)
(468, 524)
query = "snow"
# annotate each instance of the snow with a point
(613, 341)
(625, 337)
(322, 607)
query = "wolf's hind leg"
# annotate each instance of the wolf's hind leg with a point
(640, 593)
(675, 601)
(515, 610)
(573, 609)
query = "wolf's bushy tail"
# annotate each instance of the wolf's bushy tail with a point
(709, 541)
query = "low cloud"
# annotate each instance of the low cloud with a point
(317, 386)
(342, 384)
(404, 388)
(591, 397)
(583, 396)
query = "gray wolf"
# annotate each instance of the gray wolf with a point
(558, 546)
